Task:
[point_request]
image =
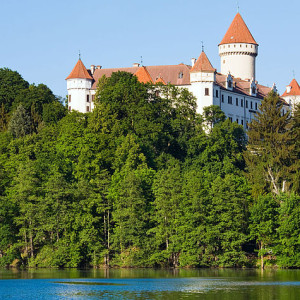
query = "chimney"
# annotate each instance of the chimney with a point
(92, 69)
(193, 60)
(99, 67)
(135, 65)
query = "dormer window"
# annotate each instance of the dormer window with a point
(253, 89)
(229, 82)
(180, 75)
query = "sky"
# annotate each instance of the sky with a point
(41, 39)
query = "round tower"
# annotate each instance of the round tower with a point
(79, 83)
(238, 50)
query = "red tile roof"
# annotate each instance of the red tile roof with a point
(160, 80)
(242, 86)
(174, 74)
(238, 32)
(203, 64)
(143, 75)
(79, 71)
(170, 74)
(295, 89)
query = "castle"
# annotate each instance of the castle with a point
(234, 89)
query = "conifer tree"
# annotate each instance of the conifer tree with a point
(271, 149)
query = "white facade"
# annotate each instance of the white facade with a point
(234, 89)
(202, 87)
(238, 59)
(80, 94)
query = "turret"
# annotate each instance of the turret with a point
(238, 50)
(79, 83)
(202, 78)
(292, 94)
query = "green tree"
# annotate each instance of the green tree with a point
(263, 224)
(130, 192)
(212, 115)
(288, 243)
(271, 149)
(11, 85)
(226, 228)
(20, 123)
(167, 188)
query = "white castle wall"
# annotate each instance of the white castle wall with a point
(78, 90)
(238, 60)
(199, 82)
(292, 100)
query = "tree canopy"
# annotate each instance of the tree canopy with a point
(144, 180)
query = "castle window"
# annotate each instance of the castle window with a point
(217, 94)
(229, 99)
(242, 103)
(253, 90)
(246, 103)
(255, 105)
(246, 46)
(229, 84)
(69, 108)
(240, 46)
(237, 120)
(206, 92)
(69, 98)
(87, 98)
(228, 46)
(242, 122)
(234, 46)
(180, 75)
(251, 104)
(87, 108)
(237, 101)
(251, 46)
(223, 98)
(93, 97)
(230, 119)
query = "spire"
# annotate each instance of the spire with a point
(143, 75)
(293, 89)
(79, 71)
(203, 64)
(238, 32)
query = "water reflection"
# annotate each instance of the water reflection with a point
(218, 284)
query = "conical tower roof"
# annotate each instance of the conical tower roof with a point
(79, 71)
(294, 89)
(203, 64)
(238, 32)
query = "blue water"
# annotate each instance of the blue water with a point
(150, 284)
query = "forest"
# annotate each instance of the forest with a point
(145, 181)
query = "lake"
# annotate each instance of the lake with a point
(213, 284)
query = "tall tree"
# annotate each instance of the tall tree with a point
(263, 224)
(20, 123)
(271, 149)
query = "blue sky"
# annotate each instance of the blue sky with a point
(41, 39)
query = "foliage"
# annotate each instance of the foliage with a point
(271, 148)
(142, 180)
